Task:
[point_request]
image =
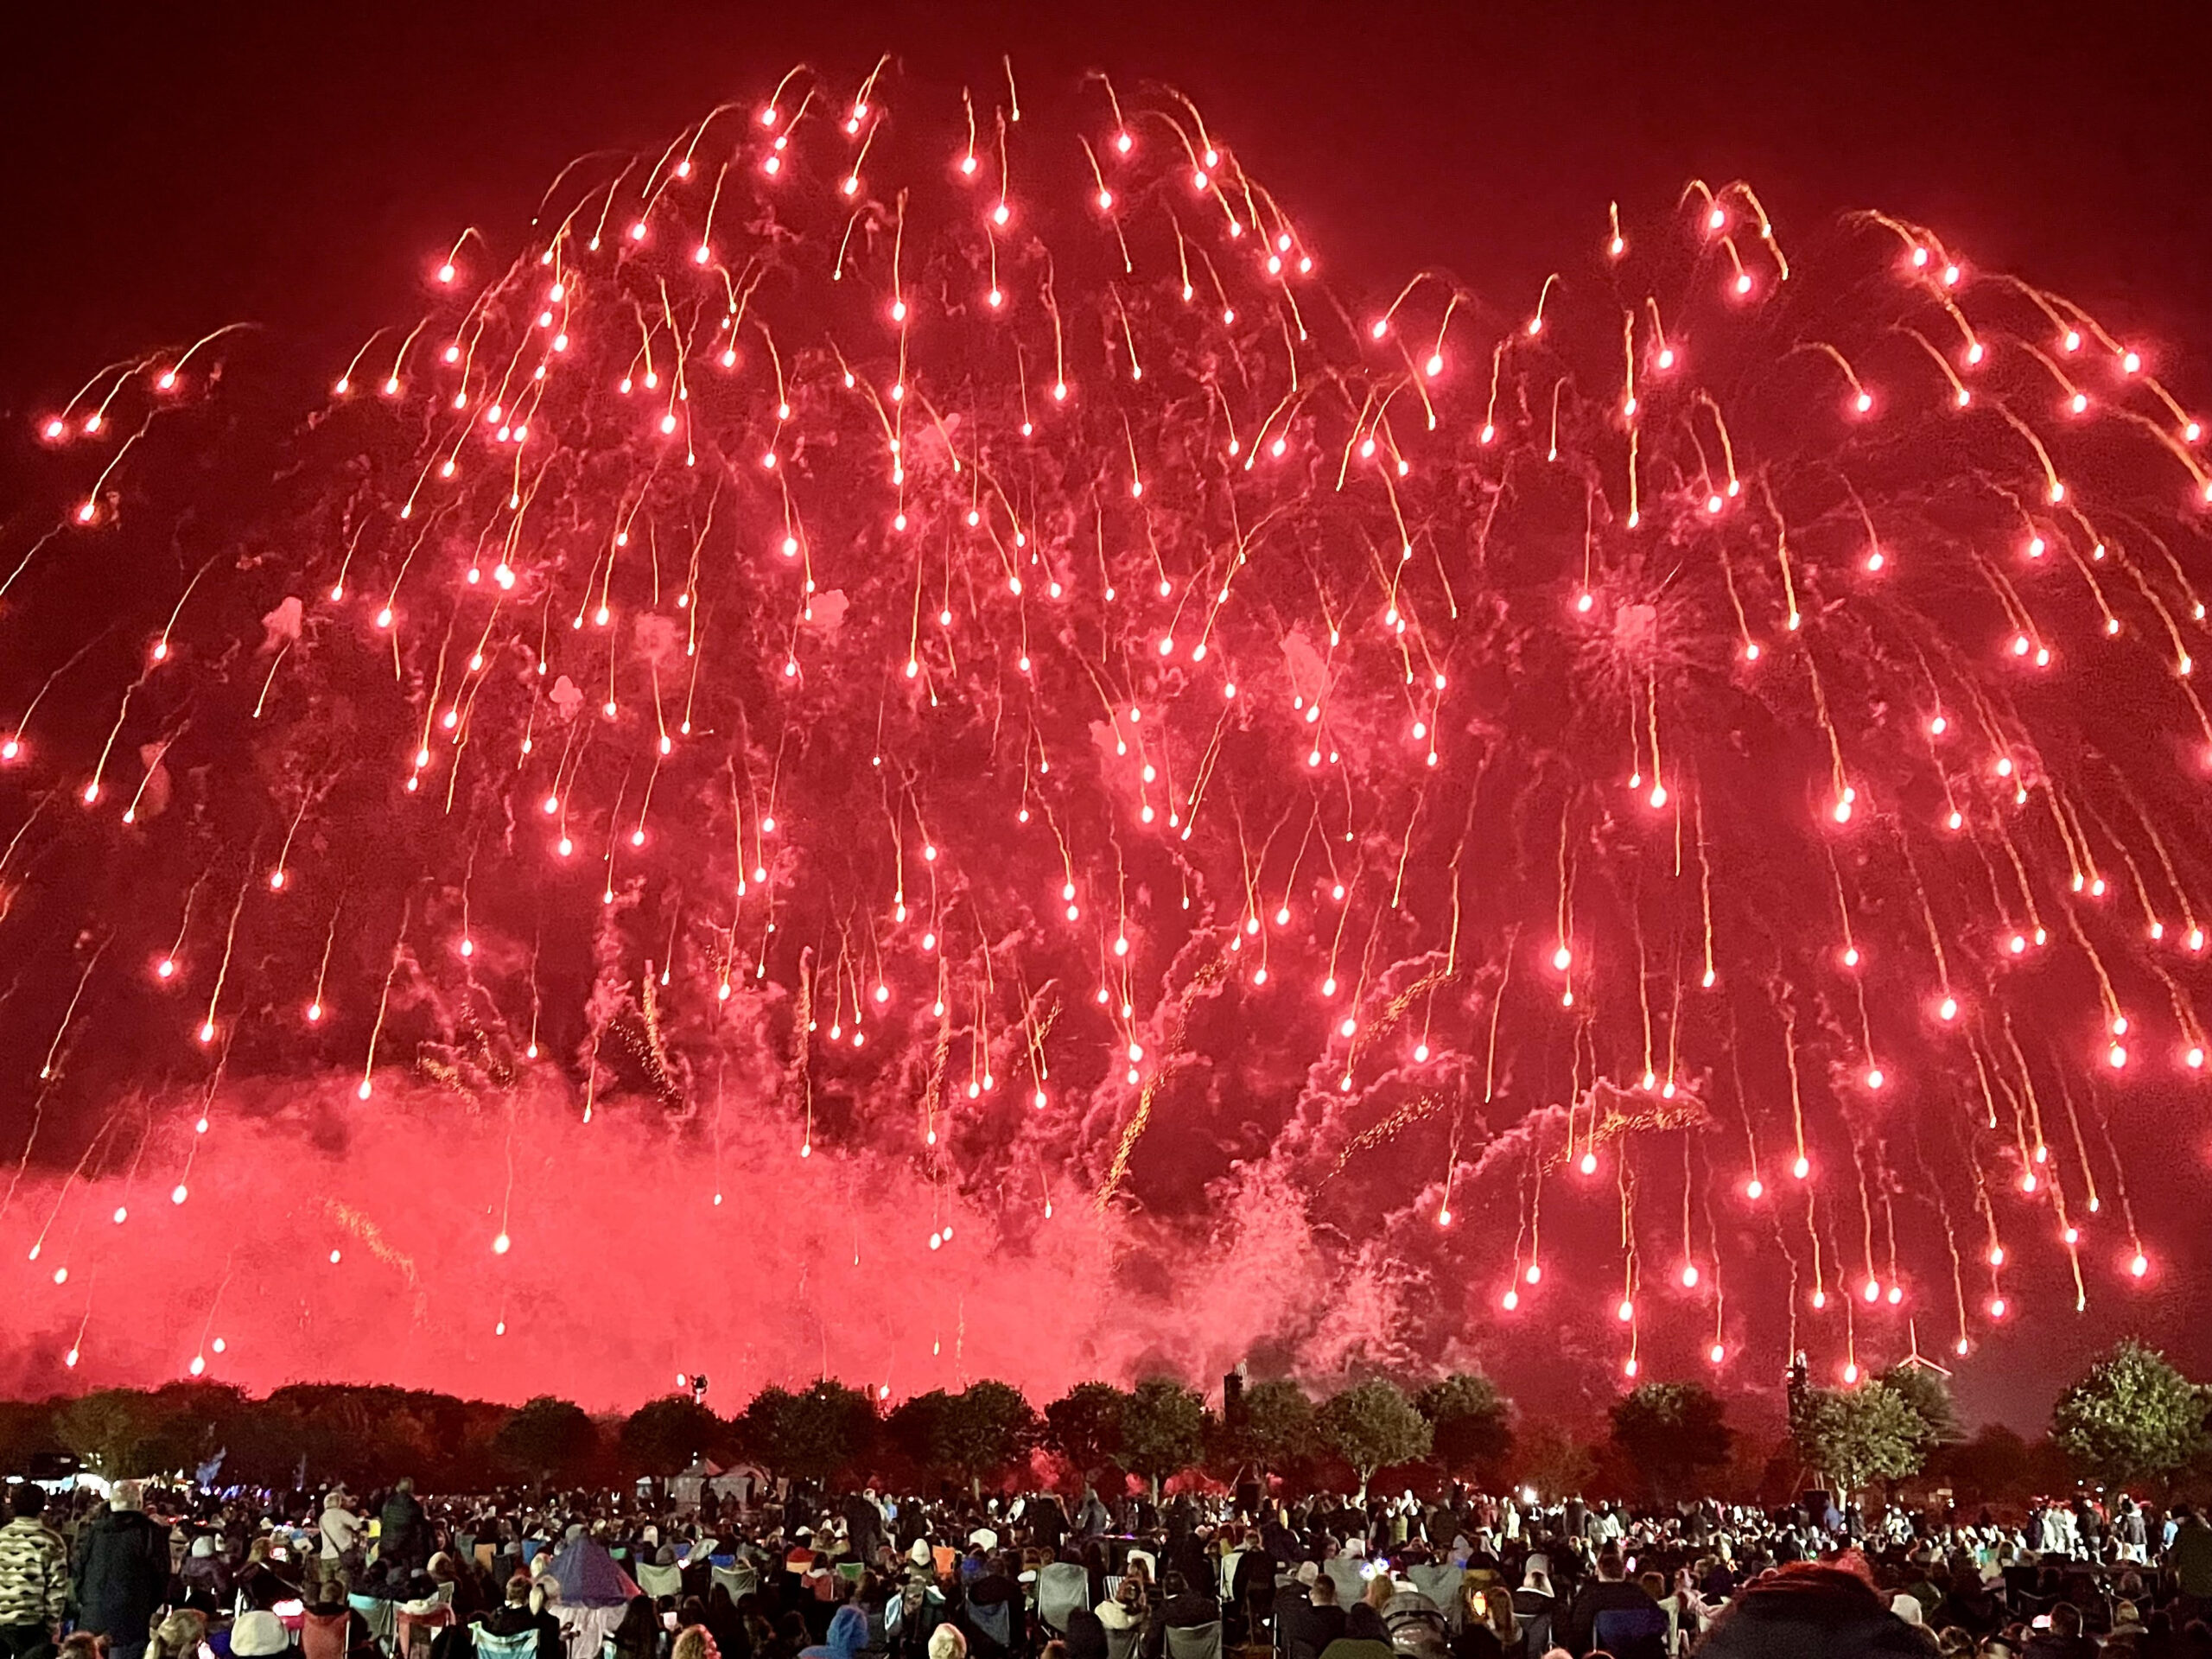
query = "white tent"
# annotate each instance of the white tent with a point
(747, 1483)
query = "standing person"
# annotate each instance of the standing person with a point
(123, 1573)
(863, 1514)
(2188, 1557)
(1047, 1520)
(2129, 1533)
(1251, 1586)
(403, 1536)
(2089, 1528)
(341, 1534)
(34, 1576)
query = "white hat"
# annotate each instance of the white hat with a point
(984, 1538)
(1906, 1608)
(257, 1634)
(1309, 1573)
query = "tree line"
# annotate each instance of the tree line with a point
(2132, 1421)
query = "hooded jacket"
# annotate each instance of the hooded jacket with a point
(848, 1636)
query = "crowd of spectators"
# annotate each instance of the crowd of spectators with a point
(160, 1572)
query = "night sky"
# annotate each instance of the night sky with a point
(303, 168)
(170, 170)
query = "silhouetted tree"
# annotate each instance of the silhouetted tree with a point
(1163, 1429)
(989, 1428)
(1923, 1388)
(1280, 1425)
(814, 1435)
(2133, 1418)
(1085, 1427)
(1371, 1426)
(1470, 1422)
(548, 1439)
(1672, 1435)
(1859, 1436)
(663, 1436)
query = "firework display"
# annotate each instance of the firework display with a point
(937, 635)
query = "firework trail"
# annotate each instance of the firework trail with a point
(949, 626)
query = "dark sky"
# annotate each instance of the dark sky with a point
(172, 168)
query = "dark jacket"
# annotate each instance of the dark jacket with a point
(1086, 1635)
(1289, 1598)
(402, 1539)
(2191, 1557)
(863, 1524)
(122, 1573)
(1047, 1520)
(1189, 1609)
(1601, 1596)
(1308, 1629)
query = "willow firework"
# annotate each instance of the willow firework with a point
(948, 641)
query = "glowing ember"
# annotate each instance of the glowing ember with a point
(1040, 528)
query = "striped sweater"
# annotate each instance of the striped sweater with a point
(33, 1573)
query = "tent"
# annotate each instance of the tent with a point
(595, 1594)
(747, 1483)
(589, 1576)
